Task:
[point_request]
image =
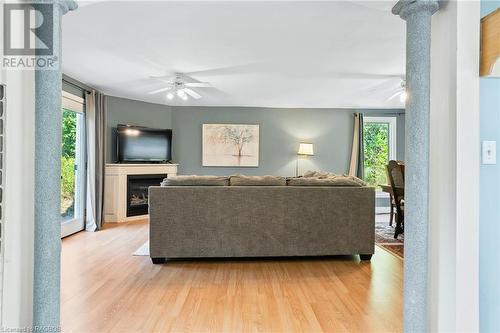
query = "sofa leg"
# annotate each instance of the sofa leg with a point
(365, 256)
(158, 261)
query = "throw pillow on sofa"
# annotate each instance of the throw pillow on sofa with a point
(331, 181)
(361, 182)
(194, 180)
(241, 180)
(318, 174)
(325, 174)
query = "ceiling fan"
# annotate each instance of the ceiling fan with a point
(389, 87)
(401, 92)
(180, 85)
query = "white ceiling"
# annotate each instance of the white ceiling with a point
(333, 54)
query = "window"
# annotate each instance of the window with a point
(72, 164)
(379, 138)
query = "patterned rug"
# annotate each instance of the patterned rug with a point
(384, 236)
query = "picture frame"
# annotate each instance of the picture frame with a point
(230, 145)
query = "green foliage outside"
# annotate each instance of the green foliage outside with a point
(68, 133)
(376, 150)
(67, 177)
(68, 162)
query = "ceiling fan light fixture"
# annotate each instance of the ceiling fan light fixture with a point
(178, 88)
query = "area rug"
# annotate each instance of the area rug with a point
(143, 250)
(384, 236)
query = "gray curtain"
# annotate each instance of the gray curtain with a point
(356, 167)
(361, 150)
(95, 112)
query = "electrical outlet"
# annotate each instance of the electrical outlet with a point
(489, 152)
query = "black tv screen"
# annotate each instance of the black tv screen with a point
(142, 144)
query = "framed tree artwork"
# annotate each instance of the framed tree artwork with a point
(230, 145)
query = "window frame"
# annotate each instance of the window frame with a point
(76, 104)
(392, 121)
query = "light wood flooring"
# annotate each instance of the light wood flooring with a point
(106, 289)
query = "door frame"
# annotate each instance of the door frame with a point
(77, 104)
(392, 121)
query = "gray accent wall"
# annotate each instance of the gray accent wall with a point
(281, 130)
(131, 112)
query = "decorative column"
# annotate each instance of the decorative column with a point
(47, 249)
(417, 14)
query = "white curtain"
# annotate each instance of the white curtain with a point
(95, 120)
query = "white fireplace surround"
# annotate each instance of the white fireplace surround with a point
(115, 187)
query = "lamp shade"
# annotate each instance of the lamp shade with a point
(305, 149)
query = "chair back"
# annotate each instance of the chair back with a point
(395, 174)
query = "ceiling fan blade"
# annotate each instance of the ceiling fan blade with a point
(192, 93)
(160, 90)
(169, 82)
(228, 70)
(198, 85)
(168, 75)
(360, 75)
(394, 95)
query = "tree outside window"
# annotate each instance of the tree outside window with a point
(379, 148)
(68, 162)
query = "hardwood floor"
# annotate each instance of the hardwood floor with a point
(106, 289)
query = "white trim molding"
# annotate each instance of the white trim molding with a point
(18, 231)
(454, 169)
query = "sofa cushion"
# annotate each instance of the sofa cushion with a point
(194, 180)
(241, 180)
(330, 181)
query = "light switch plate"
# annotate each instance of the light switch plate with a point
(489, 152)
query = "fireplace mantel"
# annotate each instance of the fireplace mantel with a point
(115, 187)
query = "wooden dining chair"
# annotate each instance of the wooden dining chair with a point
(392, 206)
(395, 174)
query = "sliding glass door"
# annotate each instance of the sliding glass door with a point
(73, 163)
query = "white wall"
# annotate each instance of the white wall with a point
(17, 233)
(454, 172)
(19, 201)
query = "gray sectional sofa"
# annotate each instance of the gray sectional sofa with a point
(193, 218)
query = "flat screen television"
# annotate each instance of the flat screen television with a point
(136, 144)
